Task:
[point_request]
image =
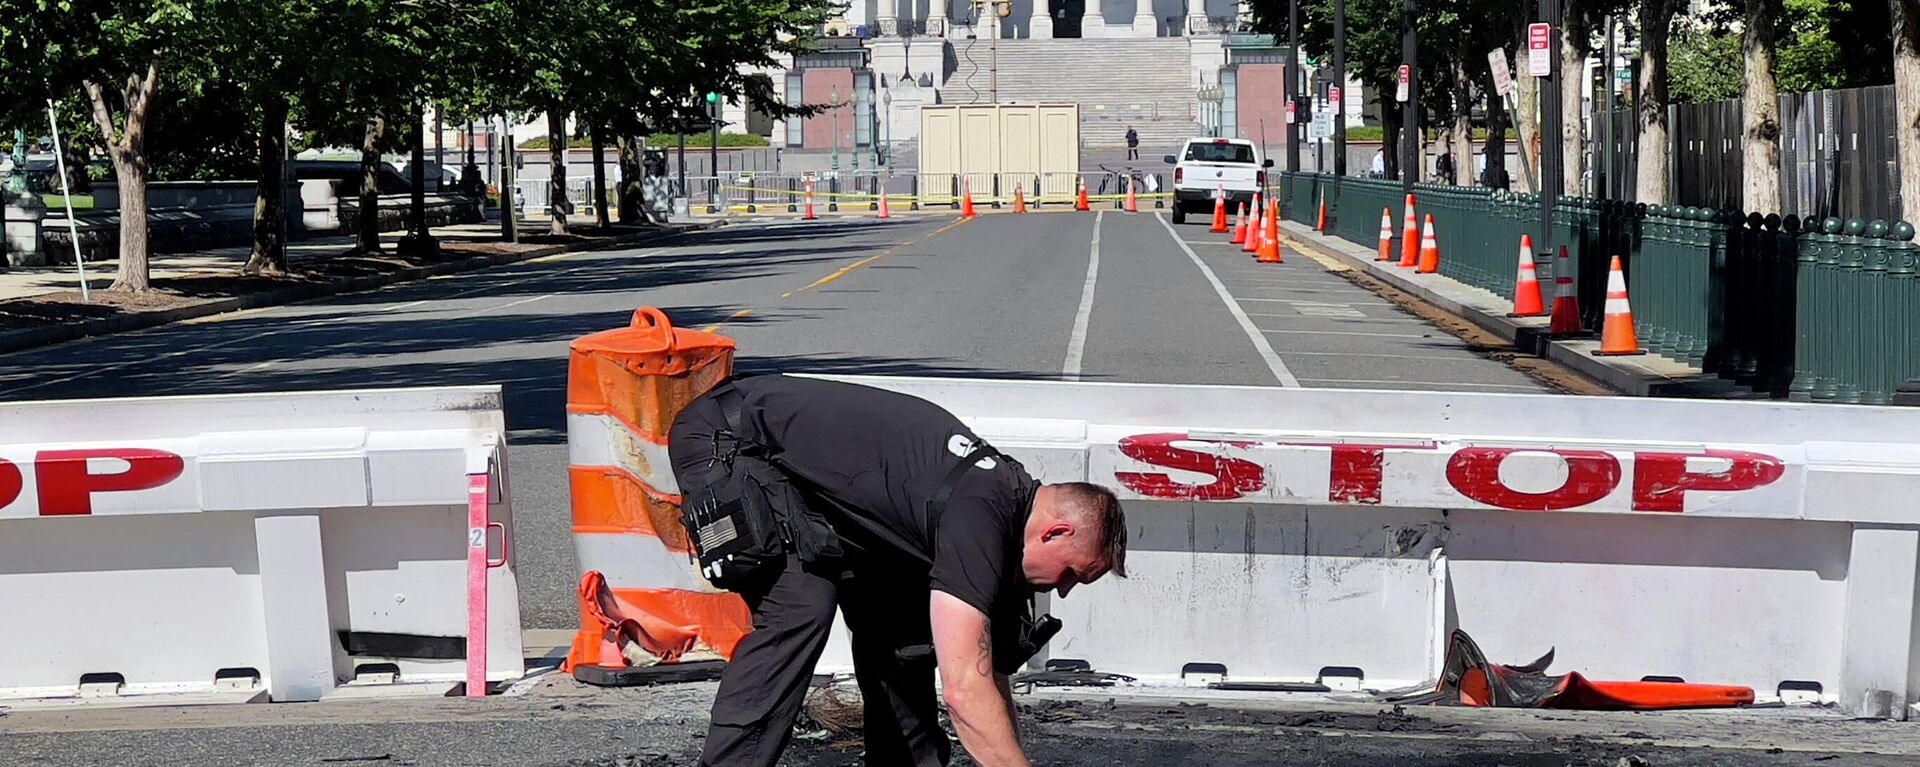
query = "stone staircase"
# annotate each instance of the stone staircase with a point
(1116, 82)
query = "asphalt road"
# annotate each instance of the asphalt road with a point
(999, 296)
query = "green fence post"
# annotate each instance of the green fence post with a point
(1903, 311)
(1813, 241)
(1826, 294)
(1843, 331)
(1776, 346)
(1875, 366)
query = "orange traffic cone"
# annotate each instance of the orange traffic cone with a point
(1429, 250)
(1386, 235)
(1270, 241)
(1566, 307)
(1240, 229)
(1019, 200)
(1133, 205)
(1252, 245)
(1081, 204)
(966, 200)
(809, 214)
(884, 211)
(1616, 332)
(1219, 211)
(1410, 236)
(1320, 225)
(1526, 286)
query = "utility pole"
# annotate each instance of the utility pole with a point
(1338, 103)
(1297, 112)
(1410, 112)
(1552, 165)
(1605, 172)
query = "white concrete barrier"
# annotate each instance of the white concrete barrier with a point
(1314, 534)
(283, 542)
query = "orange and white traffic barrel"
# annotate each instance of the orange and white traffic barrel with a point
(643, 601)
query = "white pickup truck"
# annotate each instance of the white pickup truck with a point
(1207, 166)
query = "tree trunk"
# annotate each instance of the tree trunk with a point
(1760, 112)
(1526, 95)
(1462, 123)
(1572, 74)
(557, 204)
(127, 147)
(1906, 93)
(269, 201)
(632, 176)
(599, 177)
(1650, 184)
(369, 228)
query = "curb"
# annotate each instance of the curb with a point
(1527, 335)
(20, 340)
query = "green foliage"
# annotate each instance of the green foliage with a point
(1703, 65)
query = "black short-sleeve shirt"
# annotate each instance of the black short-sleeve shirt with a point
(881, 456)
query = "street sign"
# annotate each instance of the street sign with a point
(1502, 77)
(1335, 103)
(1400, 92)
(1540, 50)
(1290, 106)
(1322, 127)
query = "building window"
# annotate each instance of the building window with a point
(1229, 102)
(862, 108)
(796, 127)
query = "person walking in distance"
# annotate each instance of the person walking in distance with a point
(1133, 143)
(803, 495)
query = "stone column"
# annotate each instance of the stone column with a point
(1092, 22)
(884, 22)
(1040, 21)
(937, 18)
(1196, 17)
(1144, 25)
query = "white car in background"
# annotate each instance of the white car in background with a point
(1207, 167)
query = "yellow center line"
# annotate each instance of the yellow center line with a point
(739, 315)
(850, 268)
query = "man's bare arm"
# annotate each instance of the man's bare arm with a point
(1005, 686)
(981, 713)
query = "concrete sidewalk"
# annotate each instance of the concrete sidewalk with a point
(1648, 375)
(28, 281)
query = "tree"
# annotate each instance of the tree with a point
(1760, 110)
(1650, 109)
(1703, 66)
(1905, 15)
(115, 53)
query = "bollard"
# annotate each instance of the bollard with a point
(1873, 367)
(1775, 364)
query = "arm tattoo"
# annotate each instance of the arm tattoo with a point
(986, 651)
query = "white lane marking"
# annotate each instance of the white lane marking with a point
(1341, 311)
(1274, 364)
(1516, 387)
(491, 309)
(407, 305)
(1340, 333)
(1363, 319)
(1077, 344)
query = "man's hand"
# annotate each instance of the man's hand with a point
(980, 712)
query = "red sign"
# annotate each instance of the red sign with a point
(1660, 480)
(1333, 98)
(65, 482)
(1406, 76)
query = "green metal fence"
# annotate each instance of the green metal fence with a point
(1818, 310)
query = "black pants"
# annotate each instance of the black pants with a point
(1133, 153)
(885, 601)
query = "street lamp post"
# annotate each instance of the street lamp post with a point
(713, 151)
(834, 99)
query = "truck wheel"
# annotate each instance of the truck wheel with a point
(1179, 213)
